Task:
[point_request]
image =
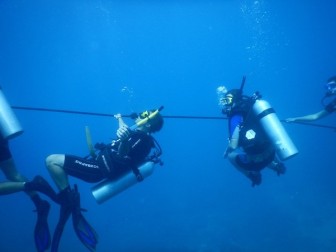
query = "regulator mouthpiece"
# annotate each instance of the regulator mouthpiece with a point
(221, 92)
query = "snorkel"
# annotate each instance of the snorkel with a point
(242, 85)
(146, 119)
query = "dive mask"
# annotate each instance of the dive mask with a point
(144, 114)
(227, 100)
(331, 88)
(227, 103)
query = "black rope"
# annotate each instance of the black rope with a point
(313, 125)
(197, 117)
(65, 111)
(172, 117)
(111, 115)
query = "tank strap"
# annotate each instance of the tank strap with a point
(156, 154)
(265, 113)
(155, 158)
(137, 173)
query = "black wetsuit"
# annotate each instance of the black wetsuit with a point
(109, 163)
(241, 114)
(331, 107)
(5, 153)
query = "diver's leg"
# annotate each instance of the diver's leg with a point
(18, 183)
(16, 180)
(55, 164)
(277, 166)
(239, 160)
(233, 156)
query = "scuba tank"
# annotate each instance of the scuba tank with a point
(273, 128)
(9, 124)
(111, 187)
(265, 116)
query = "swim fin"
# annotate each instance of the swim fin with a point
(84, 231)
(69, 199)
(41, 231)
(65, 212)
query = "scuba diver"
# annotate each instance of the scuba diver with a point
(253, 131)
(328, 108)
(10, 128)
(125, 155)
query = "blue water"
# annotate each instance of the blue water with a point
(126, 56)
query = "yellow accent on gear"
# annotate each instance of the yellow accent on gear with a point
(145, 120)
(89, 141)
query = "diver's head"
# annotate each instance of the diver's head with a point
(232, 97)
(227, 99)
(154, 122)
(331, 86)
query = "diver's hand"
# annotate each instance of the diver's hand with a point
(227, 151)
(117, 116)
(123, 132)
(289, 120)
(120, 120)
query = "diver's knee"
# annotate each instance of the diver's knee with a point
(54, 160)
(232, 156)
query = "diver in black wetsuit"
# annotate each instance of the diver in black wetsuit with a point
(249, 149)
(10, 128)
(132, 148)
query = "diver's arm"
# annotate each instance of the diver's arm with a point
(307, 118)
(120, 120)
(123, 133)
(233, 142)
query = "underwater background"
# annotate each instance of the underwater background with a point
(129, 56)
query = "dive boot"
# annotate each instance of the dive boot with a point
(41, 185)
